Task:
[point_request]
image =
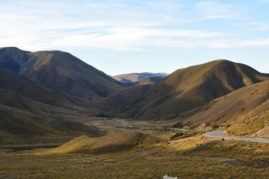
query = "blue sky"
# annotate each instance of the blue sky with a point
(121, 36)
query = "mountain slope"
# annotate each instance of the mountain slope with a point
(149, 80)
(19, 92)
(136, 77)
(28, 112)
(13, 59)
(22, 127)
(59, 71)
(242, 112)
(192, 87)
(124, 102)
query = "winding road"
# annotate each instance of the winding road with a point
(218, 135)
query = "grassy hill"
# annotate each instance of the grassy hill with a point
(22, 127)
(13, 59)
(242, 112)
(28, 112)
(52, 85)
(59, 71)
(125, 101)
(195, 86)
(110, 143)
(19, 92)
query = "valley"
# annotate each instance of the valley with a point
(62, 118)
(191, 155)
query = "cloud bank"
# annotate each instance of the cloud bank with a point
(123, 25)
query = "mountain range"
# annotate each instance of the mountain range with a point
(43, 93)
(138, 77)
(195, 86)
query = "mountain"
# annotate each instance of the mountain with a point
(59, 71)
(22, 127)
(28, 112)
(242, 112)
(20, 92)
(136, 77)
(13, 59)
(124, 102)
(194, 86)
(40, 92)
(148, 80)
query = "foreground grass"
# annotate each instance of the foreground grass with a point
(188, 155)
(148, 163)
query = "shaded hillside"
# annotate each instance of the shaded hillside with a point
(192, 87)
(27, 112)
(136, 77)
(19, 92)
(123, 102)
(244, 111)
(148, 80)
(22, 127)
(13, 59)
(59, 71)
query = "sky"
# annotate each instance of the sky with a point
(123, 36)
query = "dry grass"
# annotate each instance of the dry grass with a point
(182, 158)
(253, 123)
(190, 157)
(195, 86)
(110, 143)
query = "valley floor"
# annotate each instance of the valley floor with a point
(184, 154)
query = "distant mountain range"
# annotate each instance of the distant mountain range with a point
(44, 94)
(137, 77)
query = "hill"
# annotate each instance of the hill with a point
(22, 127)
(195, 86)
(59, 71)
(19, 92)
(115, 142)
(243, 112)
(149, 80)
(124, 102)
(27, 112)
(136, 77)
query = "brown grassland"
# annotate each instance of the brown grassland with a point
(185, 154)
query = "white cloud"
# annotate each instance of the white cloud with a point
(50, 25)
(220, 43)
(36, 25)
(260, 27)
(216, 10)
(164, 5)
(240, 43)
(127, 39)
(130, 38)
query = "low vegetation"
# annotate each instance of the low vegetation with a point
(47, 129)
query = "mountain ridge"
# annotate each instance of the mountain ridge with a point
(59, 71)
(195, 86)
(136, 77)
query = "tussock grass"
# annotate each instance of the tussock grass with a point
(115, 142)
